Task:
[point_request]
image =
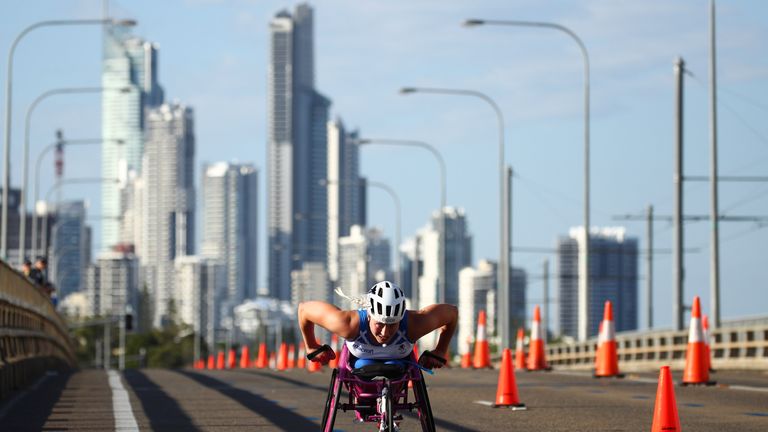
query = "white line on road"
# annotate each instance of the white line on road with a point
(121, 405)
(486, 403)
(747, 388)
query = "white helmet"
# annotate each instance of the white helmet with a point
(386, 302)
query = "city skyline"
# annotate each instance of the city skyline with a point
(632, 132)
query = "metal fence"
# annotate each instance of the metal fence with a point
(33, 336)
(737, 345)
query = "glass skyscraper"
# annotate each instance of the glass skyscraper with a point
(129, 77)
(230, 225)
(297, 211)
(612, 274)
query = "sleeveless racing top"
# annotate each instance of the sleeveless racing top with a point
(364, 346)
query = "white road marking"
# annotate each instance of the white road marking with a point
(486, 403)
(121, 405)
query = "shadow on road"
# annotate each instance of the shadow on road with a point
(300, 383)
(164, 412)
(30, 411)
(281, 417)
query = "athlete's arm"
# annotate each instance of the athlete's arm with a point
(341, 322)
(437, 316)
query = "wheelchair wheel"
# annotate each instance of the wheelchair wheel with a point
(424, 409)
(389, 418)
(331, 402)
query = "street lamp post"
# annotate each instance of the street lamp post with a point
(584, 283)
(443, 194)
(504, 215)
(25, 161)
(48, 148)
(8, 107)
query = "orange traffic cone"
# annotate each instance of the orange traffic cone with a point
(665, 417)
(334, 345)
(607, 359)
(707, 341)
(520, 349)
(282, 359)
(245, 357)
(262, 360)
(301, 362)
(482, 352)
(466, 358)
(696, 365)
(231, 359)
(220, 360)
(211, 362)
(506, 392)
(291, 356)
(536, 358)
(272, 361)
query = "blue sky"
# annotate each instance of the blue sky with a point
(213, 57)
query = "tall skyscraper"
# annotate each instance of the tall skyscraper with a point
(346, 190)
(70, 248)
(230, 225)
(363, 259)
(297, 152)
(129, 75)
(169, 208)
(458, 254)
(613, 276)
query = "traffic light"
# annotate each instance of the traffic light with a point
(129, 321)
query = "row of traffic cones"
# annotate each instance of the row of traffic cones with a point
(284, 359)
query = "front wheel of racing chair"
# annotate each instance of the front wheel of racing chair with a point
(331, 402)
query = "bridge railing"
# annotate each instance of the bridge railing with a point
(736, 345)
(33, 336)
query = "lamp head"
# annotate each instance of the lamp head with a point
(473, 22)
(125, 22)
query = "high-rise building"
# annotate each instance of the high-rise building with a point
(458, 254)
(200, 287)
(129, 77)
(297, 152)
(230, 225)
(346, 190)
(477, 291)
(309, 283)
(113, 283)
(14, 223)
(70, 248)
(363, 260)
(612, 274)
(169, 209)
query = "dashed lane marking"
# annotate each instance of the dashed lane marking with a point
(121, 405)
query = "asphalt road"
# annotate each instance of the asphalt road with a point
(187, 400)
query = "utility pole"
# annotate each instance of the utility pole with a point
(678, 270)
(715, 249)
(649, 266)
(545, 276)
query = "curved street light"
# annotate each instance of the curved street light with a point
(584, 291)
(8, 107)
(443, 174)
(25, 160)
(504, 206)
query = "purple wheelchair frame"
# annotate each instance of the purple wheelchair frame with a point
(363, 394)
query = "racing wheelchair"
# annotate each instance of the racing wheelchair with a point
(377, 392)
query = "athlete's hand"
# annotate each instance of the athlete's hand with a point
(322, 354)
(432, 359)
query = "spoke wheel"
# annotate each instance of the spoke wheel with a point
(423, 406)
(389, 417)
(331, 402)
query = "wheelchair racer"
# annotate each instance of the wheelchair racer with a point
(382, 331)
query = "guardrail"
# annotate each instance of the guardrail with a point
(740, 344)
(33, 336)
